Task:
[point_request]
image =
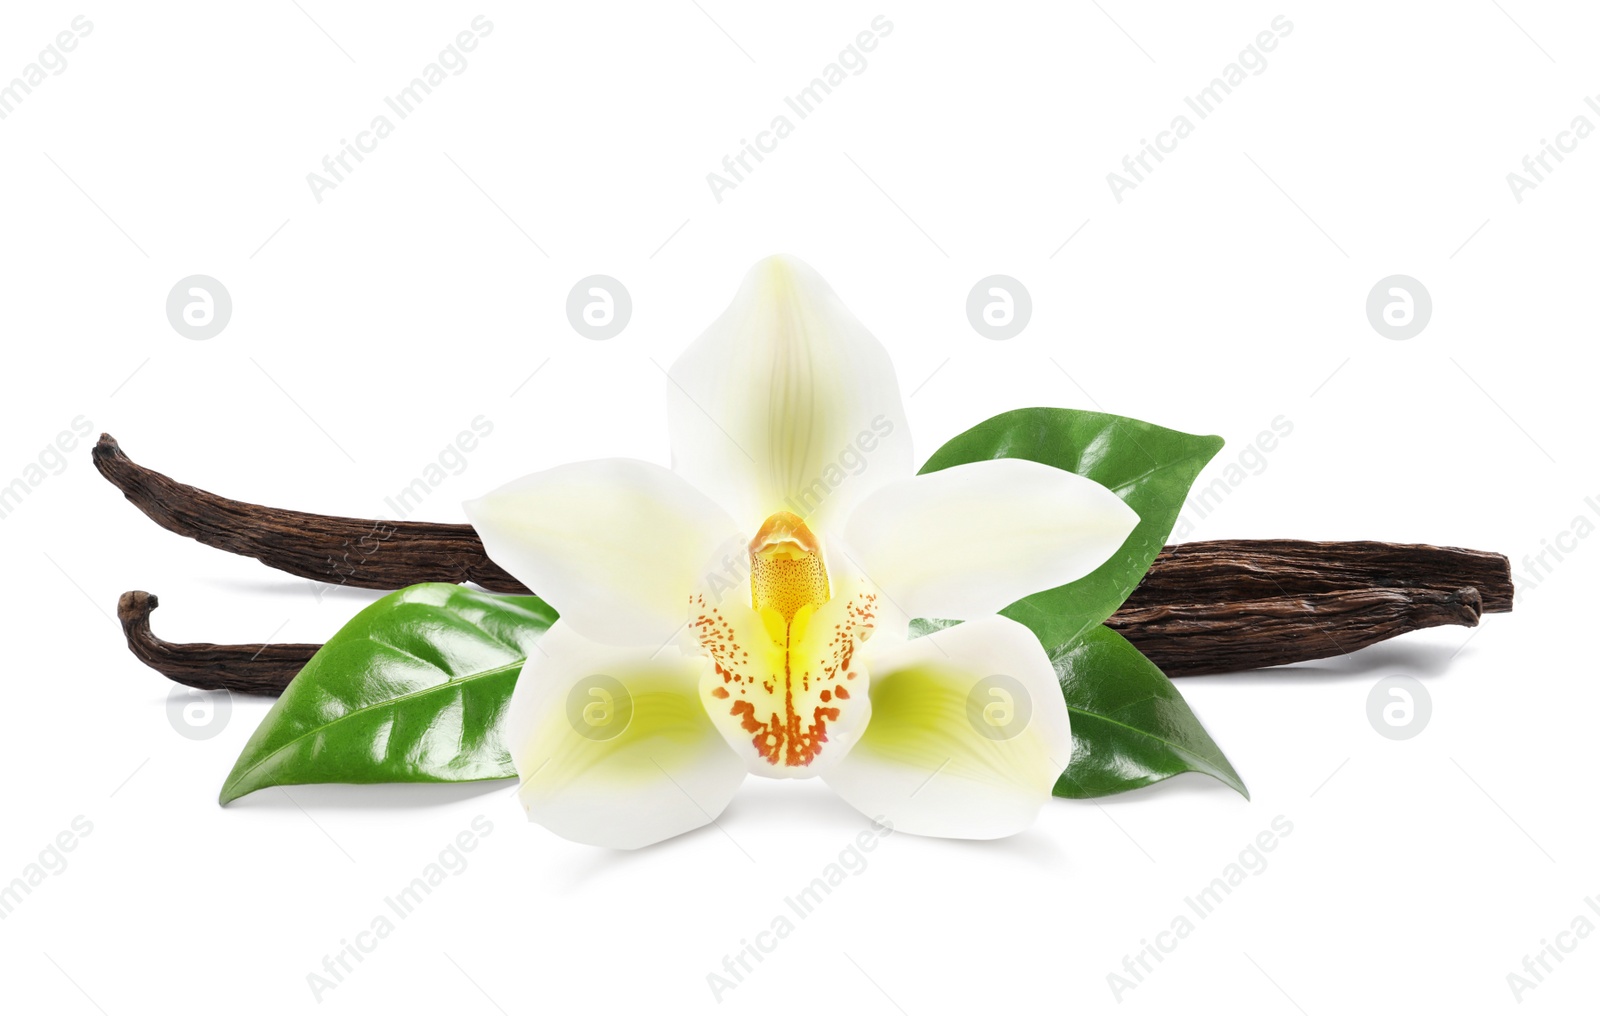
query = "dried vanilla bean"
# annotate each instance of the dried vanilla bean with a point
(1203, 608)
(1183, 639)
(1189, 639)
(1224, 571)
(375, 554)
(368, 553)
(248, 669)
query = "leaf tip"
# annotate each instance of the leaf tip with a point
(233, 788)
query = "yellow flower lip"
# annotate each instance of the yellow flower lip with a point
(784, 678)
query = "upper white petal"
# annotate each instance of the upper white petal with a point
(615, 545)
(969, 733)
(787, 402)
(967, 541)
(612, 746)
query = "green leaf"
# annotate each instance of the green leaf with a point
(1130, 727)
(1151, 468)
(410, 691)
(921, 626)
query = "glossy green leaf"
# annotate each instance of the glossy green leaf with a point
(1130, 727)
(1151, 468)
(411, 690)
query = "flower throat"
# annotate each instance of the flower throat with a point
(788, 580)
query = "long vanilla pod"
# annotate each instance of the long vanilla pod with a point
(379, 554)
(1207, 607)
(1184, 639)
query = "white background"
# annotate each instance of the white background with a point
(1226, 290)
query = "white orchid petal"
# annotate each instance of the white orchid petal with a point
(613, 746)
(965, 542)
(615, 545)
(787, 402)
(969, 733)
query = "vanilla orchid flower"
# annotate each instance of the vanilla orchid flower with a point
(746, 611)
